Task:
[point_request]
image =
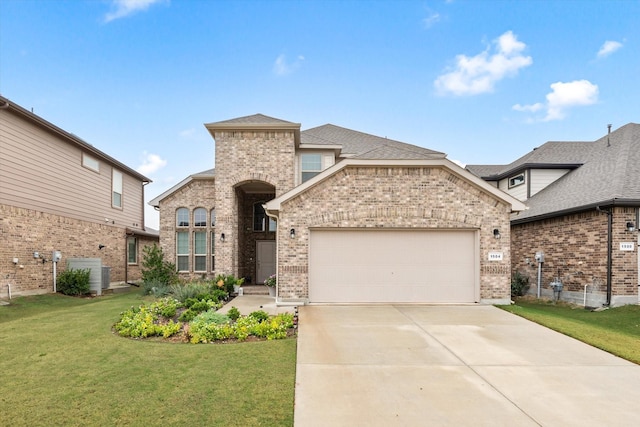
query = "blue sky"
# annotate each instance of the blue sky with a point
(483, 81)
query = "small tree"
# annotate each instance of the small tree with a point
(519, 284)
(155, 269)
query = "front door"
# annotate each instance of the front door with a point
(265, 259)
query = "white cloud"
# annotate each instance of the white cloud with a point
(529, 108)
(479, 74)
(608, 48)
(151, 163)
(563, 96)
(124, 8)
(432, 19)
(282, 68)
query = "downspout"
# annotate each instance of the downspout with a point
(277, 252)
(609, 251)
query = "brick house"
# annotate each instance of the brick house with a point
(59, 193)
(582, 214)
(339, 216)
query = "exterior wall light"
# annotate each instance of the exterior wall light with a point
(292, 233)
(496, 233)
(631, 227)
(222, 237)
(101, 247)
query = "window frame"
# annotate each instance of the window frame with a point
(178, 212)
(510, 183)
(213, 251)
(304, 171)
(135, 251)
(90, 163)
(202, 212)
(117, 183)
(182, 256)
(199, 256)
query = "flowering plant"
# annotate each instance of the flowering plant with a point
(271, 281)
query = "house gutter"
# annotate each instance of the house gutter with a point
(583, 208)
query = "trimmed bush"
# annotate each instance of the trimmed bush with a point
(519, 284)
(74, 282)
(155, 269)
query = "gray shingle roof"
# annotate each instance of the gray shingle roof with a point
(365, 146)
(256, 119)
(609, 174)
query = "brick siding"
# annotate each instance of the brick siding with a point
(394, 197)
(25, 231)
(575, 250)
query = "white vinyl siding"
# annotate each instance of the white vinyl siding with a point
(42, 171)
(541, 178)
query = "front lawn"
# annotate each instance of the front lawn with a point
(616, 330)
(62, 365)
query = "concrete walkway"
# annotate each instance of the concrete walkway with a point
(453, 366)
(247, 304)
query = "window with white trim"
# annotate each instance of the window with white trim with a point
(213, 217)
(200, 251)
(116, 189)
(182, 217)
(90, 162)
(182, 251)
(516, 180)
(200, 217)
(310, 166)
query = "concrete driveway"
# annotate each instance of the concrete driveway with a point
(401, 365)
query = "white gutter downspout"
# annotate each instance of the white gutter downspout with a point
(275, 217)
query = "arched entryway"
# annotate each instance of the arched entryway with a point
(256, 232)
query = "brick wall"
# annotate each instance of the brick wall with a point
(199, 193)
(575, 250)
(244, 157)
(402, 197)
(24, 231)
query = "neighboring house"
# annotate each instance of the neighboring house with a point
(583, 200)
(340, 216)
(59, 193)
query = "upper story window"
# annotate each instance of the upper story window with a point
(200, 217)
(90, 162)
(311, 165)
(116, 189)
(182, 217)
(213, 217)
(516, 180)
(260, 219)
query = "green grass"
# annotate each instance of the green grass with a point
(616, 330)
(60, 364)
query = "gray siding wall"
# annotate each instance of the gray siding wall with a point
(541, 178)
(43, 172)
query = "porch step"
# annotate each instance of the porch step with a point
(255, 290)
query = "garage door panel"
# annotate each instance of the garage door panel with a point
(392, 266)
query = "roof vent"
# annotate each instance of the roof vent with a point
(608, 133)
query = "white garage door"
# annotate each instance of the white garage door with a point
(430, 266)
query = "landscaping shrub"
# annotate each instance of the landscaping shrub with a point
(191, 290)
(227, 282)
(233, 313)
(519, 284)
(259, 315)
(156, 288)
(155, 269)
(144, 321)
(74, 282)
